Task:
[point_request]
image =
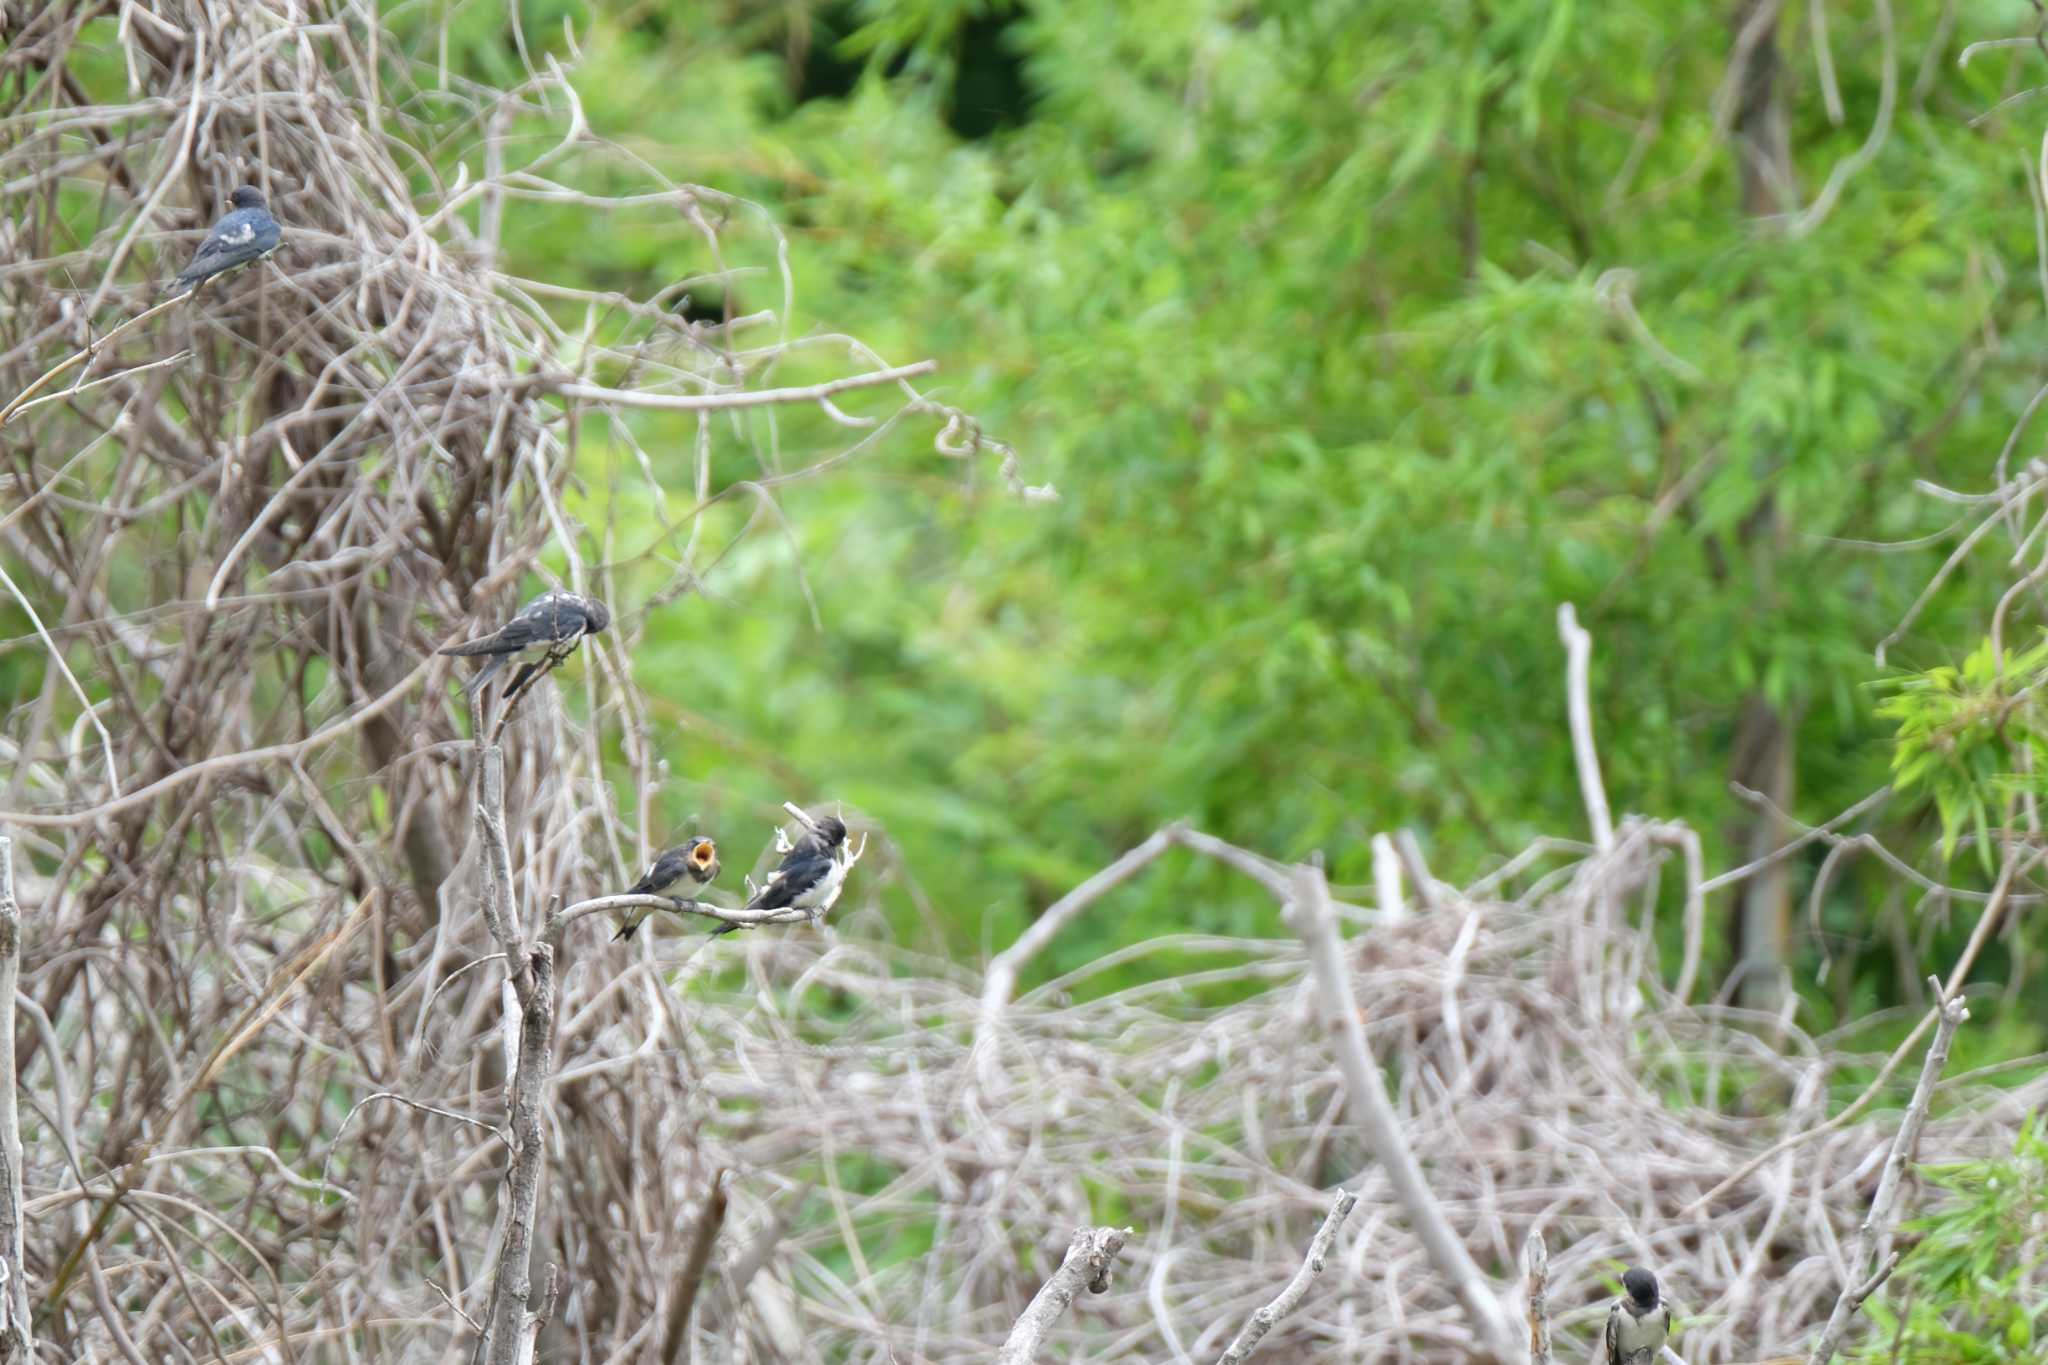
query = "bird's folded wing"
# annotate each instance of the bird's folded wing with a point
(774, 893)
(519, 633)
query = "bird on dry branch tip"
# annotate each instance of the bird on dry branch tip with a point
(248, 233)
(553, 621)
(696, 859)
(1639, 1323)
(810, 875)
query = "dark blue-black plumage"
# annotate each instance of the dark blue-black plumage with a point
(697, 859)
(246, 234)
(553, 620)
(1639, 1324)
(809, 874)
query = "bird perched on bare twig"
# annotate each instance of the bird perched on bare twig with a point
(810, 874)
(1639, 1323)
(696, 859)
(553, 621)
(248, 233)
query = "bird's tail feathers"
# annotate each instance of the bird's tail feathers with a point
(483, 675)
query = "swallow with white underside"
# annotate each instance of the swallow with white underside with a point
(553, 621)
(696, 860)
(1639, 1323)
(809, 876)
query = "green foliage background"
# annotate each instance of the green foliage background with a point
(1356, 337)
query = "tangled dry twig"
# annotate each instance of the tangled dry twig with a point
(249, 911)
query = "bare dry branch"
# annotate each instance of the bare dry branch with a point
(746, 398)
(1578, 647)
(17, 1335)
(1874, 1234)
(1254, 1331)
(692, 1275)
(1316, 922)
(1086, 1265)
(531, 968)
(1536, 1266)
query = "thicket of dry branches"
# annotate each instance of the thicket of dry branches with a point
(263, 1050)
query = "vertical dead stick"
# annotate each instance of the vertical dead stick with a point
(1086, 1264)
(1873, 1238)
(708, 1224)
(529, 1335)
(1578, 661)
(1410, 851)
(1386, 879)
(1316, 922)
(17, 1341)
(513, 1286)
(1536, 1259)
(1263, 1319)
(532, 970)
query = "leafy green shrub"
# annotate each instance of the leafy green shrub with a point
(1970, 1290)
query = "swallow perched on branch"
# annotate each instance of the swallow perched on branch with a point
(553, 621)
(697, 859)
(1639, 1323)
(248, 233)
(810, 874)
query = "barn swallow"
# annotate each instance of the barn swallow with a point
(696, 859)
(809, 876)
(246, 234)
(1639, 1323)
(554, 620)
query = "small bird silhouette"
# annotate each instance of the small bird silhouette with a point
(248, 233)
(809, 876)
(553, 620)
(1639, 1323)
(696, 859)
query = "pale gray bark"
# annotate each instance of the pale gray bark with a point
(1262, 1320)
(1537, 1258)
(1086, 1265)
(17, 1339)
(1314, 919)
(1873, 1259)
(510, 1327)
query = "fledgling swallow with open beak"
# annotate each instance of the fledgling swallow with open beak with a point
(810, 874)
(1639, 1323)
(696, 860)
(555, 620)
(246, 233)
